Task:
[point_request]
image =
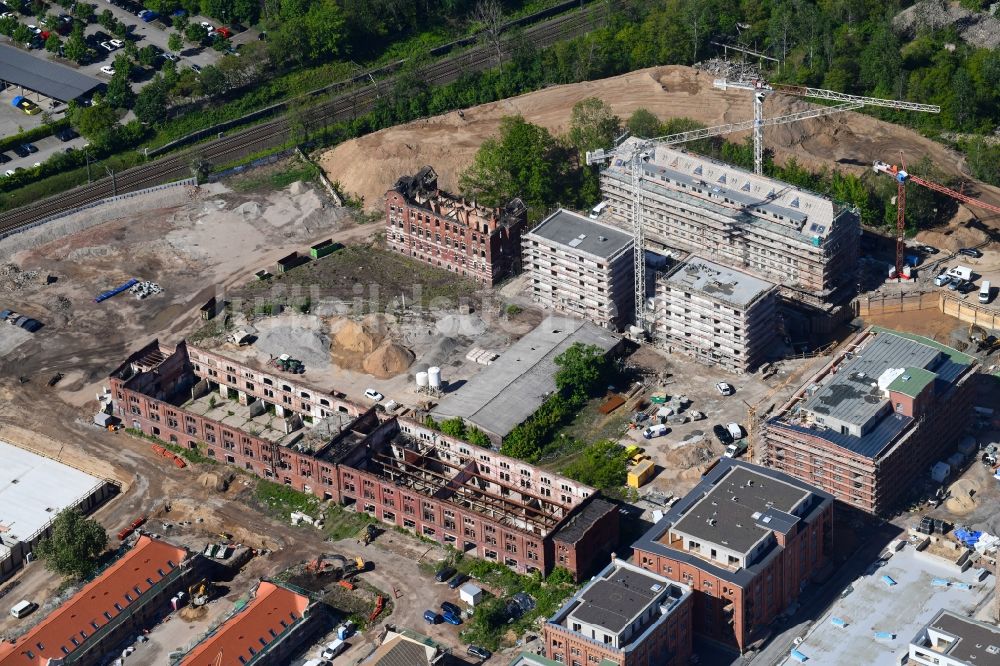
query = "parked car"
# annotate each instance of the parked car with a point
(372, 394)
(430, 617)
(117, 43)
(449, 607)
(66, 134)
(477, 651)
(21, 151)
(26, 105)
(30, 147)
(333, 649)
(451, 618)
(3, 158)
(722, 434)
(927, 249)
(224, 32)
(171, 57)
(956, 284)
(725, 388)
(457, 580)
(107, 46)
(108, 69)
(970, 252)
(444, 574)
(9, 173)
(196, 68)
(942, 280)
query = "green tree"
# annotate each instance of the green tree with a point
(603, 465)
(53, 43)
(151, 102)
(524, 160)
(107, 20)
(84, 11)
(74, 545)
(21, 34)
(478, 437)
(593, 125)
(147, 56)
(76, 49)
(643, 123)
(95, 122)
(212, 82)
(582, 369)
(454, 427)
(175, 42)
(196, 33)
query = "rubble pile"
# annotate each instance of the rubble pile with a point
(977, 28)
(146, 288)
(12, 278)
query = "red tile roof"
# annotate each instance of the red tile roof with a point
(121, 585)
(271, 612)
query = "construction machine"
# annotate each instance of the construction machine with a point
(984, 341)
(199, 592)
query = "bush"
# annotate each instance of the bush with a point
(74, 544)
(8, 142)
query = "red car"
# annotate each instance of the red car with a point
(224, 32)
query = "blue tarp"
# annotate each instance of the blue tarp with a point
(885, 634)
(967, 537)
(837, 622)
(940, 582)
(799, 657)
(117, 290)
(963, 586)
(888, 581)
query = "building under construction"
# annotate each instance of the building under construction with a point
(718, 315)
(443, 230)
(396, 470)
(869, 426)
(796, 238)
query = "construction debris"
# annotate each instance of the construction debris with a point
(146, 288)
(12, 278)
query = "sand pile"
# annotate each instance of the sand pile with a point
(388, 360)
(364, 345)
(962, 498)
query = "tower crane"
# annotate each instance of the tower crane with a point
(762, 89)
(638, 151)
(902, 176)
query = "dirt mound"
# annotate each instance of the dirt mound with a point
(962, 497)
(977, 28)
(388, 360)
(357, 337)
(369, 165)
(218, 481)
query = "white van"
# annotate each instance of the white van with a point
(735, 430)
(596, 211)
(984, 292)
(22, 608)
(333, 649)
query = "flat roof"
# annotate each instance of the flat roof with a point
(122, 585)
(578, 233)
(975, 642)
(652, 540)
(614, 602)
(741, 508)
(912, 381)
(33, 489)
(272, 611)
(718, 282)
(850, 397)
(503, 395)
(581, 521)
(43, 76)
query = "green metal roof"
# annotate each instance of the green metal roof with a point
(912, 381)
(953, 354)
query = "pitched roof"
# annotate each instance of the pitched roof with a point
(405, 647)
(272, 611)
(121, 585)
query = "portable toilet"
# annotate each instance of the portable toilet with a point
(471, 595)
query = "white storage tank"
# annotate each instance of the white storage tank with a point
(422, 379)
(434, 376)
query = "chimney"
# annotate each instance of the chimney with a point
(614, 557)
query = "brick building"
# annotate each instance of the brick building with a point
(583, 268)
(267, 631)
(745, 539)
(868, 426)
(447, 231)
(131, 595)
(626, 616)
(718, 315)
(396, 470)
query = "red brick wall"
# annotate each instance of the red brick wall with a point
(592, 551)
(487, 257)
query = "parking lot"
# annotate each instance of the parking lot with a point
(880, 619)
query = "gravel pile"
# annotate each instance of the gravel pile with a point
(297, 336)
(977, 28)
(12, 278)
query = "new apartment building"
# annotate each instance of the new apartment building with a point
(582, 267)
(718, 315)
(785, 234)
(624, 616)
(745, 539)
(396, 470)
(130, 596)
(870, 424)
(953, 640)
(447, 231)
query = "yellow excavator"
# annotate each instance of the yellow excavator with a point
(199, 592)
(984, 341)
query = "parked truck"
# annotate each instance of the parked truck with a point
(655, 431)
(960, 272)
(736, 449)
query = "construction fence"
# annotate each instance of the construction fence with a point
(891, 303)
(973, 313)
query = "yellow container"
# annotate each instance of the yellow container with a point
(641, 473)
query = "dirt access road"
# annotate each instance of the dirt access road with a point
(370, 165)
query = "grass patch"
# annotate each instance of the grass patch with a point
(281, 500)
(277, 179)
(339, 523)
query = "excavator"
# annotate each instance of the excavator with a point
(200, 592)
(336, 564)
(984, 341)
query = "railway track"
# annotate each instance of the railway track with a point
(273, 133)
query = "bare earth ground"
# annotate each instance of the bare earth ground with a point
(849, 141)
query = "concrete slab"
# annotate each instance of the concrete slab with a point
(900, 610)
